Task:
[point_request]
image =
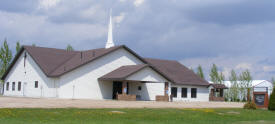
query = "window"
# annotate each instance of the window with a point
(19, 86)
(36, 84)
(174, 91)
(7, 86)
(193, 92)
(139, 87)
(13, 86)
(184, 92)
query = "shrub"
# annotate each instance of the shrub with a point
(250, 105)
(271, 105)
(226, 99)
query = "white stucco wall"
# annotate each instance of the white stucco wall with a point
(83, 81)
(261, 87)
(28, 75)
(147, 74)
(202, 93)
(148, 91)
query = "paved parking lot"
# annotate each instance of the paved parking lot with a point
(18, 102)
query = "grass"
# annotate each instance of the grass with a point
(136, 116)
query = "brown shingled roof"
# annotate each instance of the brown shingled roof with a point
(177, 72)
(56, 62)
(219, 86)
(123, 72)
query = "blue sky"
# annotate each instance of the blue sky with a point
(234, 34)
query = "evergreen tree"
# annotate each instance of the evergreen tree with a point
(18, 46)
(5, 57)
(69, 48)
(271, 104)
(214, 75)
(200, 72)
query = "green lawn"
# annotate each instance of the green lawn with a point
(136, 116)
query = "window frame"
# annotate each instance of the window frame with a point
(36, 85)
(19, 85)
(192, 92)
(176, 91)
(139, 88)
(13, 86)
(7, 86)
(184, 94)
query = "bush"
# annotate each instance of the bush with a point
(226, 99)
(250, 105)
(271, 104)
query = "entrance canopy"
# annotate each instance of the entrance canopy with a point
(217, 93)
(142, 72)
(126, 78)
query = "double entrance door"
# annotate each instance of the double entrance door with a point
(117, 88)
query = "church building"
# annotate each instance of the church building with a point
(113, 72)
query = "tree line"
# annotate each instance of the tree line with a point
(240, 85)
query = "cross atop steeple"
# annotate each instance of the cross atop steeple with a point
(110, 42)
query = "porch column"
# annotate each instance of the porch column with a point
(166, 89)
(124, 87)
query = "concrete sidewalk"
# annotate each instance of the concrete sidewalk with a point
(19, 102)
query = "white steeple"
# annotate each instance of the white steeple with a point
(110, 42)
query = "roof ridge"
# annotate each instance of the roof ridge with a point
(25, 46)
(67, 50)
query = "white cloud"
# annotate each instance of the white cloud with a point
(120, 18)
(226, 64)
(137, 3)
(122, 0)
(269, 68)
(94, 12)
(46, 4)
(244, 66)
(141, 22)
(48, 34)
(226, 71)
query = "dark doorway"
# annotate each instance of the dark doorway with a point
(174, 91)
(117, 88)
